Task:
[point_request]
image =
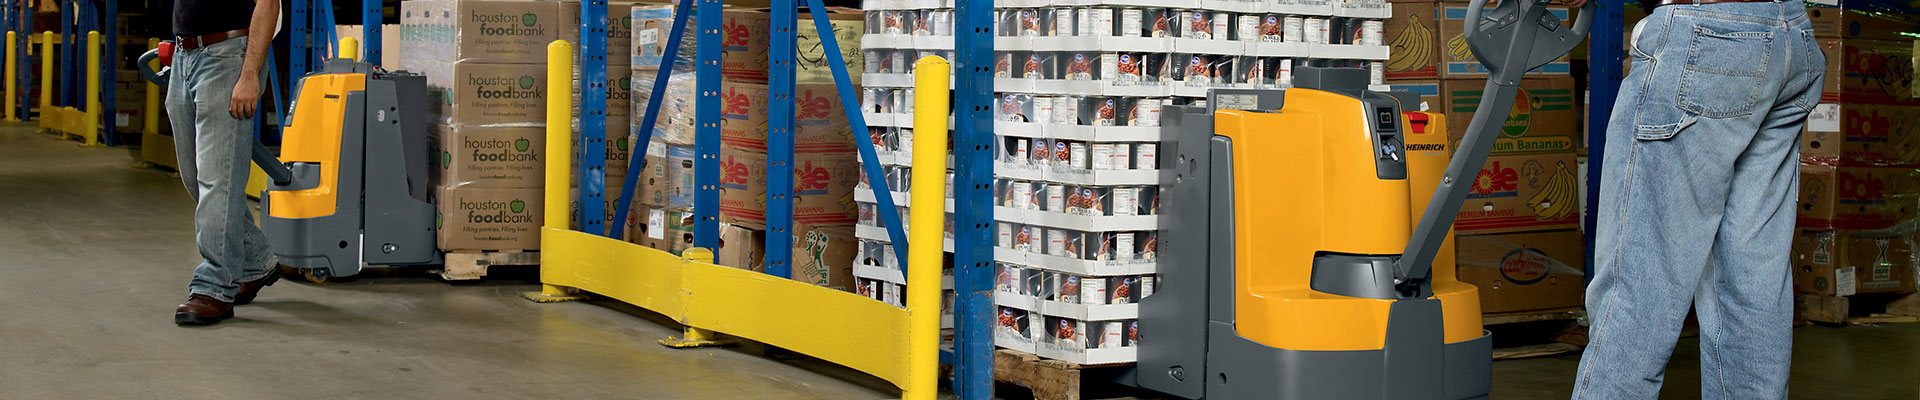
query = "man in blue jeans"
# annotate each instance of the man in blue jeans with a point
(211, 98)
(1697, 199)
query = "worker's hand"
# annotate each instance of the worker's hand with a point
(1574, 3)
(246, 97)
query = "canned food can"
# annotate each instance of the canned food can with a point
(1126, 200)
(1146, 112)
(1029, 22)
(1123, 249)
(1042, 109)
(1105, 111)
(1146, 156)
(1042, 152)
(905, 105)
(1057, 242)
(1080, 67)
(923, 23)
(1020, 153)
(1293, 29)
(1083, 22)
(1093, 290)
(1197, 24)
(1003, 65)
(1005, 237)
(1062, 22)
(1110, 66)
(1221, 21)
(1126, 68)
(894, 21)
(1019, 195)
(874, 61)
(1102, 22)
(1060, 154)
(1133, 334)
(1069, 289)
(1321, 33)
(1037, 66)
(1130, 21)
(1120, 291)
(1111, 335)
(1146, 285)
(1253, 72)
(1283, 73)
(1270, 28)
(1379, 70)
(942, 23)
(1122, 156)
(1066, 110)
(1149, 245)
(1087, 200)
(1371, 32)
(1102, 154)
(1248, 30)
(1077, 155)
(1056, 197)
(898, 62)
(1029, 238)
(1199, 71)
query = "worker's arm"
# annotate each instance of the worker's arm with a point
(246, 93)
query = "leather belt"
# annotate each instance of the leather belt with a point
(1684, 2)
(195, 42)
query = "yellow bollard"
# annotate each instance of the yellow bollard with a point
(46, 74)
(559, 136)
(151, 114)
(92, 125)
(12, 90)
(928, 210)
(349, 48)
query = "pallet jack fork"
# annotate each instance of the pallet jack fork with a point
(1307, 244)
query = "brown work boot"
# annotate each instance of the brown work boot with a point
(202, 309)
(249, 289)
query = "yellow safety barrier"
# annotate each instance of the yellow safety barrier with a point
(12, 90)
(713, 300)
(928, 216)
(81, 123)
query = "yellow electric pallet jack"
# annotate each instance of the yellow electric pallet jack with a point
(352, 190)
(1286, 264)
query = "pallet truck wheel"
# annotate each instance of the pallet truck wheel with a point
(317, 276)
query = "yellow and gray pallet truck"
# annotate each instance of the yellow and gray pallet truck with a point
(353, 188)
(1288, 222)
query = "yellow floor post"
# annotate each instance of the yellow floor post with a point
(92, 125)
(12, 89)
(349, 48)
(559, 161)
(928, 211)
(46, 75)
(692, 337)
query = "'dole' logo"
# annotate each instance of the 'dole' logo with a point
(1525, 266)
(1496, 178)
(735, 103)
(736, 34)
(1862, 187)
(814, 107)
(812, 179)
(733, 174)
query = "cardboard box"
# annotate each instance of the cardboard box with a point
(619, 30)
(667, 230)
(489, 219)
(1428, 89)
(1457, 61)
(742, 248)
(1868, 71)
(392, 53)
(746, 46)
(1857, 197)
(653, 25)
(1862, 133)
(1841, 263)
(481, 94)
(674, 123)
(667, 180)
(609, 196)
(823, 255)
(1413, 41)
(1839, 23)
(1524, 271)
(618, 149)
(1522, 193)
(1543, 118)
(848, 27)
(822, 194)
(619, 93)
(820, 124)
(491, 31)
(490, 157)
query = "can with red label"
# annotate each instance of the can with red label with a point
(1110, 66)
(1146, 156)
(1146, 112)
(1125, 200)
(1093, 290)
(1104, 110)
(1056, 197)
(1080, 66)
(1270, 28)
(1062, 22)
(1130, 22)
(1102, 20)
(1077, 156)
(1102, 156)
(1294, 29)
(1029, 22)
(1248, 29)
(1066, 110)
(1163, 22)
(1126, 68)
(1221, 22)
(1371, 32)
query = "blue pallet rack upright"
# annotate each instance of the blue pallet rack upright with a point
(592, 118)
(781, 40)
(109, 73)
(372, 26)
(1605, 52)
(27, 66)
(973, 176)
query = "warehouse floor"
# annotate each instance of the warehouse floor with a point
(98, 252)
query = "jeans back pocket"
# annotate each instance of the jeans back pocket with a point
(1725, 71)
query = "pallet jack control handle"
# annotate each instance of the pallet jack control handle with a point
(268, 162)
(1509, 39)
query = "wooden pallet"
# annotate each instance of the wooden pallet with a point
(1050, 379)
(467, 265)
(1553, 314)
(1553, 332)
(1860, 309)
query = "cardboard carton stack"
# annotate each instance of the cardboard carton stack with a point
(1859, 186)
(1518, 237)
(826, 166)
(485, 62)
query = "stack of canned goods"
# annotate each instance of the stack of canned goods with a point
(1154, 22)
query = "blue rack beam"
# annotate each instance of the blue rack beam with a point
(297, 41)
(63, 95)
(973, 143)
(109, 71)
(706, 142)
(592, 118)
(782, 39)
(1605, 52)
(27, 102)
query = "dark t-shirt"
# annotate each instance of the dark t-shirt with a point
(200, 17)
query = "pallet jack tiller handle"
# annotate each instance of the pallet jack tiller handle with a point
(1509, 39)
(268, 162)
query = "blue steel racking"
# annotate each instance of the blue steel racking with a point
(1605, 52)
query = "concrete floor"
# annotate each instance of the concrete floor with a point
(98, 252)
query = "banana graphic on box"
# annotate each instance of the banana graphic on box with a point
(1457, 49)
(1413, 49)
(1560, 198)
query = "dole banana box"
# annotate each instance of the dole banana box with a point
(742, 248)
(489, 219)
(482, 94)
(489, 157)
(745, 42)
(667, 180)
(1857, 197)
(823, 255)
(666, 230)
(1842, 263)
(1868, 71)
(1413, 41)
(491, 31)
(819, 122)
(1543, 117)
(822, 193)
(1457, 61)
(1842, 23)
(1428, 89)
(1863, 133)
(1521, 193)
(619, 30)
(1524, 271)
